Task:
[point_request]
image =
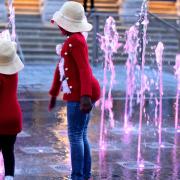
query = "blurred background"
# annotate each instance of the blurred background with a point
(38, 38)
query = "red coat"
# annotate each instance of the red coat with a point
(10, 112)
(77, 71)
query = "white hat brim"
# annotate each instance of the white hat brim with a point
(71, 26)
(15, 66)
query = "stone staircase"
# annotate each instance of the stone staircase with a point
(38, 41)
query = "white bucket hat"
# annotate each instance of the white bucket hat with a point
(10, 62)
(71, 17)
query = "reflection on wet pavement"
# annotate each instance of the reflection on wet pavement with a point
(42, 149)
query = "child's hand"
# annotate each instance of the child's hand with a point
(85, 104)
(58, 49)
(52, 103)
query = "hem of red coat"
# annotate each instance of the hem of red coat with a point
(9, 132)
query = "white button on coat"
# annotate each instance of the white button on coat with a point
(66, 53)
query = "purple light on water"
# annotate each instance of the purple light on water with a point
(141, 165)
(1, 164)
(177, 73)
(12, 19)
(162, 146)
(109, 43)
(130, 48)
(128, 129)
(156, 111)
(159, 56)
(145, 21)
(5, 35)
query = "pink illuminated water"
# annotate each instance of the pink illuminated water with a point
(12, 19)
(6, 33)
(109, 43)
(143, 15)
(1, 165)
(131, 49)
(159, 56)
(177, 73)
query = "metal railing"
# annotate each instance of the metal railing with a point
(96, 19)
(168, 25)
(164, 22)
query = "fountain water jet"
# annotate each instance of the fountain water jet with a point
(131, 49)
(177, 73)
(12, 19)
(144, 22)
(109, 44)
(159, 53)
(141, 26)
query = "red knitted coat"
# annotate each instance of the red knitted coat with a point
(77, 70)
(10, 112)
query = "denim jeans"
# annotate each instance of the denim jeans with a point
(80, 149)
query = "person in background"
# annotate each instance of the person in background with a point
(10, 111)
(91, 5)
(73, 75)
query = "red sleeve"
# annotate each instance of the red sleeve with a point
(0, 82)
(80, 55)
(55, 88)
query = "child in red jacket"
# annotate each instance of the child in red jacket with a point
(73, 75)
(10, 112)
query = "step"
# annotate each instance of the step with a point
(28, 18)
(149, 52)
(41, 58)
(26, 1)
(28, 8)
(54, 59)
(161, 3)
(27, 12)
(51, 49)
(160, 11)
(163, 7)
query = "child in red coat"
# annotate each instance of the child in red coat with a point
(10, 112)
(73, 75)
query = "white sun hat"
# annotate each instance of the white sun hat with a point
(71, 17)
(10, 62)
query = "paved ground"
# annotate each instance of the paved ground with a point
(42, 149)
(38, 78)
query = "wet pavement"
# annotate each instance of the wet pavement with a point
(42, 149)
(35, 79)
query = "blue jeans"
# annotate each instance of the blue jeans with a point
(80, 149)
